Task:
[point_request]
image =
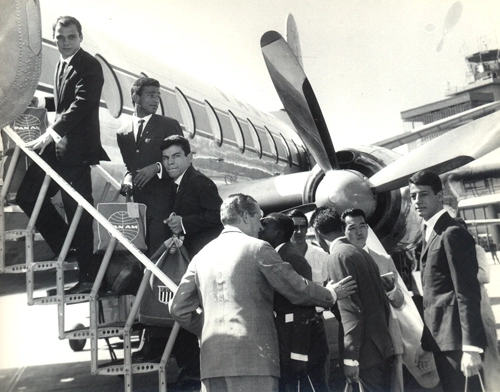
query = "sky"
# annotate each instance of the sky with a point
(367, 60)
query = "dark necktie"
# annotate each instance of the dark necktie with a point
(139, 131)
(61, 72)
(424, 234)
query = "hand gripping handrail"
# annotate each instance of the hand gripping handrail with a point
(91, 210)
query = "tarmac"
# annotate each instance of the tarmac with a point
(33, 359)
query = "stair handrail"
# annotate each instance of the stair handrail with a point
(148, 264)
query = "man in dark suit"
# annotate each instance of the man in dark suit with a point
(139, 143)
(196, 211)
(196, 217)
(233, 279)
(367, 350)
(454, 332)
(69, 146)
(302, 339)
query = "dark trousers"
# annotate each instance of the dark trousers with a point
(376, 378)
(452, 378)
(50, 223)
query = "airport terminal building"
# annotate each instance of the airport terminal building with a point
(473, 191)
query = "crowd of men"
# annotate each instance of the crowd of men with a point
(251, 302)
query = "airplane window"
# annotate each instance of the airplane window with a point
(186, 112)
(274, 147)
(264, 141)
(162, 109)
(238, 132)
(111, 91)
(256, 138)
(287, 150)
(299, 157)
(214, 123)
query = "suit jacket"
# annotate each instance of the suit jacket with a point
(365, 314)
(298, 328)
(452, 294)
(146, 152)
(158, 194)
(233, 280)
(76, 103)
(198, 202)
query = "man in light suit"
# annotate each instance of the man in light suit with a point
(196, 210)
(366, 348)
(301, 332)
(139, 143)
(70, 146)
(233, 279)
(454, 331)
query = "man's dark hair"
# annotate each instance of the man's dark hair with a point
(233, 207)
(176, 140)
(140, 83)
(352, 212)
(298, 214)
(66, 21)
(283, 222)
(326, 220)
(427, 178)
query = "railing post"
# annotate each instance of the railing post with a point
(3, 193)
(30, 234)
(60, 269)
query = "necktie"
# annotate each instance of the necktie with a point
(139, 131)
(424, 237)
(61, 72)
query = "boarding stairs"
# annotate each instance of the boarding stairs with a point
(98, 329)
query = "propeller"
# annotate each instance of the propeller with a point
(338, 187)
(298, 98)
(347, 188)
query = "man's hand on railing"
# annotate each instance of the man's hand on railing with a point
(145, 174)
(40, 142)
(126, 190)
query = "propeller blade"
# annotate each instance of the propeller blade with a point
(292, 37)
(298, 98)
(447, 152)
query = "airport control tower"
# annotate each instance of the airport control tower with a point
(483, 87)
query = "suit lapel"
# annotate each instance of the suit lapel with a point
(68, 69)
(432, 238)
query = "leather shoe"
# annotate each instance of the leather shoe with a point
(142, 356)
(80, 288)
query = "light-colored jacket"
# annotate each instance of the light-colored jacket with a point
(233, 280)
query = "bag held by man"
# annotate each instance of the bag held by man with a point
(173, 261)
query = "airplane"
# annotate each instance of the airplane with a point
(282, 164)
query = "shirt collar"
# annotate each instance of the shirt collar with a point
(145, 118)
(332, 245)
(67, 60)
(432, 222)
(280, 246)
(179, 179)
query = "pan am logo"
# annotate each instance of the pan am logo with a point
(28, 127)
(126, 225)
